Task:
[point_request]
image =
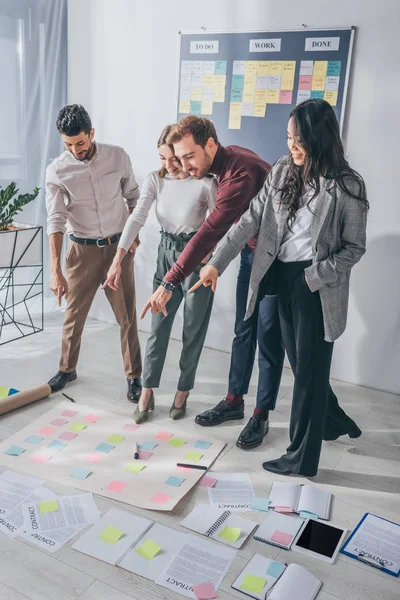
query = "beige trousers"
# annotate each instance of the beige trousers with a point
(86, 269)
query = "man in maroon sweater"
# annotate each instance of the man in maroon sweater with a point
(240, 174)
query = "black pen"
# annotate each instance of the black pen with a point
(69, 397)
(192, 466)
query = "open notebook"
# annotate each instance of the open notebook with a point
(278, 529)
(264, 578)
(221, 525)
(308, 498)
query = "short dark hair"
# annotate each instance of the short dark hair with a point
(73, 119)
(199, 127)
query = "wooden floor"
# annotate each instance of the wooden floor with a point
(363, 474)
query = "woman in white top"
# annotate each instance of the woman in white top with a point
(182, 203)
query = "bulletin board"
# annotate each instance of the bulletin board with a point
(247, 83)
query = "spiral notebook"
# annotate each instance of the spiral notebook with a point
(298, 498)
(221, 525)
(278, 529)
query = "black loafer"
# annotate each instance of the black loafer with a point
(61, 379)
(253, 434)
(353, 431)
(134, 389)
(275, 466)
(220, 413)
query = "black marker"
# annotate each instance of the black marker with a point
(69, 397)
(192, 466)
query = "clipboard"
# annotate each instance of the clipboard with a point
(362, 556)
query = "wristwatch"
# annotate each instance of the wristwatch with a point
(168, 286)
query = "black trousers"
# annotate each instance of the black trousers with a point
(315, 408)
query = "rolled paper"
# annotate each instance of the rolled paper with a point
(38, 392)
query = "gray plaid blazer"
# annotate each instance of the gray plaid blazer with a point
(338, 234)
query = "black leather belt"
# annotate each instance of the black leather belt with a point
(100, 242)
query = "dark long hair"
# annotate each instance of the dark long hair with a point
(317, 131)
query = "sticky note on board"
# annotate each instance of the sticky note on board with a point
(116, 486)
(148, 549)
(111, 535)
(175, 442)
(230, 534)
(77, 427)
(48, 506)
(134, 467)
(115, 438)
(175, 481)
(252, 583)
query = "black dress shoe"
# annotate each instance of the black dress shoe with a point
(61, 379)
(220, 413)
(134, 389)
(354, 432)
(253, 434)
(275, 466)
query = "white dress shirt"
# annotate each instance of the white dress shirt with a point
(181, 205)
(296, 242)
(89, 198)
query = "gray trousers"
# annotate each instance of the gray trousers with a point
(196, 316)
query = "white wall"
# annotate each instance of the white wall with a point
(123, 57)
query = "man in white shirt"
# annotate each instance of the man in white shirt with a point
(90, 191)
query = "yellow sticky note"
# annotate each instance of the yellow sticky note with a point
(252, 583)
(275, 67)
(208, 81)
(134, 467)
(260, 97)
(176, 442)
(320, 67)
(77, 427)
(206, 108)
(259, 110)
(148, 549)
(318, 83)
(263, 67)
(111, 535)
(115, 438)
(195, 94)
(288, 71)
(48, 506)
(218, 95)
(331, 97)
(230, 534)
(184, 107)
(219, 81)
(193, 456)
(251, 67)
(249, 89)
(272, 96)
(235, 115)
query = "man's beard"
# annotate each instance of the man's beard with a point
(88, 154)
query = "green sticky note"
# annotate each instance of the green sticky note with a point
(114, 438)
(252, 583)
(176, 442)
(193, 456)
(111, 535)
(148, 549)
(230, 534)
(48, 506)
(77, 427)
(135, 467)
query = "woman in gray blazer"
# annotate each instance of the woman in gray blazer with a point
(310, 219)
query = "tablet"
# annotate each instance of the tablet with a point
(320, 540)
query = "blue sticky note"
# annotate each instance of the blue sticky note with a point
(220, 67)
(105, 447)
(202, 444)
(236, 95)
(304, 514)
(80, 473)
(57, 445)
(317, 94)
(34, 439)
(237, 82)
(195, 107)
(334, 67)
(147, 446)
(14, 451)
(275, 569)
(176, 481)
(260, 504)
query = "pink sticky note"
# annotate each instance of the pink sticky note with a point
(69, 413)
(163, 435)
(160, 498)
(305, 82)
(130, 427)
(41, 458)
(91, 418)
(59, 422)
(204, 591)
(184, 469)
(94, 456)
(283, 509)
(67, 435)
(281, 537)
(46, 430)
(116, 486)
(285, 97)
(207, 481)
(145, 454)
